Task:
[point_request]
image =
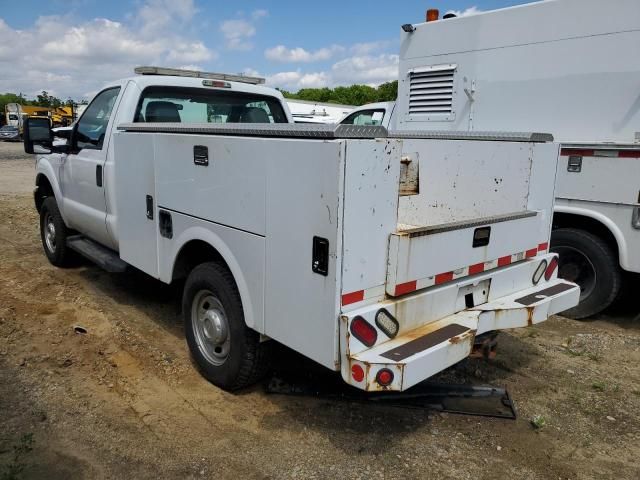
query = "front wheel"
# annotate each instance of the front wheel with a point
(590, 262)
(53, 233)
(228, 353)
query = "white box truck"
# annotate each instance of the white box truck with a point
(384, 266)
(570, 67)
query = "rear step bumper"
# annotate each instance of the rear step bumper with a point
(424, 351)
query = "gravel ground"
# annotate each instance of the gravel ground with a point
(125, 401)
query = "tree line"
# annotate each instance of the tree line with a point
(42, 100)
(352, 95)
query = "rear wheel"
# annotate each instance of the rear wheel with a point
(591, 263)
(228, 353)
(53, 233)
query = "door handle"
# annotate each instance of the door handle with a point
(149, 207)
(99, 175)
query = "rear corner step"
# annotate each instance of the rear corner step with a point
(102, 256)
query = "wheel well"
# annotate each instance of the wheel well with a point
(192, 254)
(568, 220)
(43, 191)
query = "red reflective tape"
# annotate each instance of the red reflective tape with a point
(477, 268)
(531, 253)
(444, 277)
(406, 288)
(502, 261)
(629, 153)
(576, 151)
(543, 247)
(353, 297)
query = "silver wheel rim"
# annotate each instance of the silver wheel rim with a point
(211, 327)
(49, 233)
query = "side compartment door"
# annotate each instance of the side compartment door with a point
(82, 171)
(137, 211)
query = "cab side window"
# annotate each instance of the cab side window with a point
(92, 126)
(365, 117)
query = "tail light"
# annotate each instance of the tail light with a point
(364, 331)
(541, 270)
(432, 14)
(553, 264)
(357, 373)
(384, 377)
(387, 323)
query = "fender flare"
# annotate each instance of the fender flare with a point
(204, 235)
(623, 253)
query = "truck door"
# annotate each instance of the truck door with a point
(82, 172)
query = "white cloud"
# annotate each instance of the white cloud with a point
(465, 13)
(239, 31)
(190, 52)
(368, 48)
(283, 54)
(297, 80)
(260, 13)
(237, 34)
(68, 58)
(369, 70)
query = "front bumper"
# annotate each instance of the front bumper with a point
(421, 352)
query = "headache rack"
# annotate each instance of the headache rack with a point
(178, 72)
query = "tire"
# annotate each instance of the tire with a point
(53, 234)
(591, 263)
(227, 352)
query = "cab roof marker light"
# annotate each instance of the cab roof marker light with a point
(215, 83)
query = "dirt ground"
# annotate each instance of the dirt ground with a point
(125, 401)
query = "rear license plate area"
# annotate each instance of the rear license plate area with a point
(472, 295)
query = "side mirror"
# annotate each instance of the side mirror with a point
(37, 134)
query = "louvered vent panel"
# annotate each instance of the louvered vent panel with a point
(431, 91)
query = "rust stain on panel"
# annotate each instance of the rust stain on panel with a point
(409, 175)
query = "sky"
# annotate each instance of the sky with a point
(71, 48)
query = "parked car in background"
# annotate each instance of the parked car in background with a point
(9, 132)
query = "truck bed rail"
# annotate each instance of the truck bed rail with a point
(535, 137)
(324, 132)
(286, 130)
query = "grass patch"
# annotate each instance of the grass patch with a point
(599, 386)
(538, 422)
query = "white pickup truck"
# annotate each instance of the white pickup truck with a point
(383, 255)
(529, 67)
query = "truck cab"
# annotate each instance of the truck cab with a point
(82, 176)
